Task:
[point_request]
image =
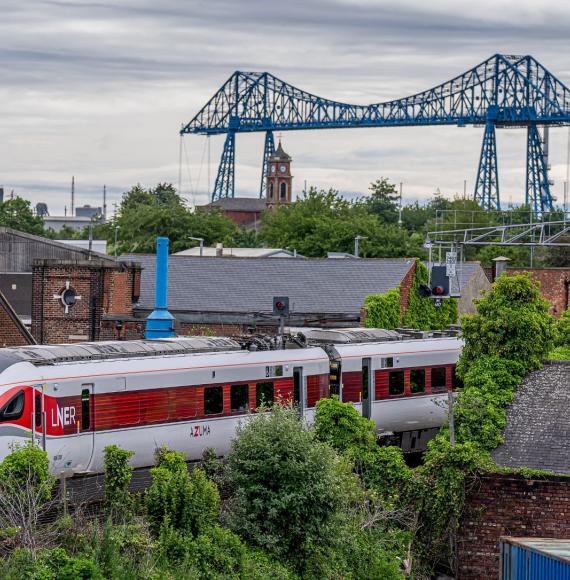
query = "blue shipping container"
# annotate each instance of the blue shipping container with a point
(535, 559)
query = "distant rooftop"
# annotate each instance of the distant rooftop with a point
(247, 285)
(211, 251)
(251, 204)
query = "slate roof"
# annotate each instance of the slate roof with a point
(537, 435)
(247, 285)
(280, 154)
(252, 204)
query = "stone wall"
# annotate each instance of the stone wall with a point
(509, 505)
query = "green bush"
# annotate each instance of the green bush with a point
(512, 323)
(118, 475)
(563, 329)
(289, 487)
(186, 502)
(27, 467)
(341, 425)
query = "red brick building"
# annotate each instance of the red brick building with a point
(12, 330)
(86, 300)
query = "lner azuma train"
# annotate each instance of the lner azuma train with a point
(191, 393)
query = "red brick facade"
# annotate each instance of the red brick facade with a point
(509, 505)
(103, 290)
(12, 330)
(554, 285)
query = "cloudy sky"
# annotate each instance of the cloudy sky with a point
(99, 90)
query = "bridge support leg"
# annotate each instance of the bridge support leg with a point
(538, 194)
(225, 180)
(487, 184)
(268, 150)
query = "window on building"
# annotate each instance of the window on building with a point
(263, 394)
(396, 383)
(85, 409)
(239, 398)
(213, 400)
(283, 191)
(438, 379)
(417, 380)
(14, 408)
(271, 190)
(456, 381)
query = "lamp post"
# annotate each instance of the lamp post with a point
(356, 240)
(115, 245)
(201, 240)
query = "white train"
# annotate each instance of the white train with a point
(190, 393)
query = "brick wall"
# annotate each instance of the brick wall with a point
(12, 331)
(509, 505)
(553, 285)
(406, 287)
(103, 288)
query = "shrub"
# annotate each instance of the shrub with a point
(186, 502)
(383, 310)
(118, 475)
(289, 487)
(512, 323)
(563, 328)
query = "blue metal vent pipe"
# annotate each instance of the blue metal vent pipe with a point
(160, 323)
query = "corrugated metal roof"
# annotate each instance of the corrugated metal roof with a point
(559, 549)
(249, 284)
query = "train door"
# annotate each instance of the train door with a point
(299, 390)
(86, 427)
(366, 389)
(38, 417)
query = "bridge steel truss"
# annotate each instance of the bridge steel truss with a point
(503, 91)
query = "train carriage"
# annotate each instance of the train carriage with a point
(74, 400)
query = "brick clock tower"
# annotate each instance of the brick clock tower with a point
(279, 178)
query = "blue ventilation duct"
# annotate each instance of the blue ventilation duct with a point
(160, 323)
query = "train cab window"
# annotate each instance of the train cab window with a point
(213, 400)
(387, 363)
(456, 381)
(14, 408)
(85, 409)
(263, 394)
(239, 398)
(396, 383)
(417, 380)
(38, 409)
(438, 379)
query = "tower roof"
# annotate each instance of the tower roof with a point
(280, 153)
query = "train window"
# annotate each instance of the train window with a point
(85, 409)
(456, 380)
(396, 383)
(387, 363)
(213, 400)
(38, 409)
(239, 398)
(417, 380)
(438, 379)
(263, 394)
(14, 408)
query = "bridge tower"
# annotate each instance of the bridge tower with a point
(487, 184)
(538, 194)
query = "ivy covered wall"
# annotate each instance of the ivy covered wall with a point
(386, 310)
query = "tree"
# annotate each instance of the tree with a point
(161, 211)
(512, 322)
(324, 221)
(384, 201)
(17, 214)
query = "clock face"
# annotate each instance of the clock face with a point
(282, 169)
(273, 168)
